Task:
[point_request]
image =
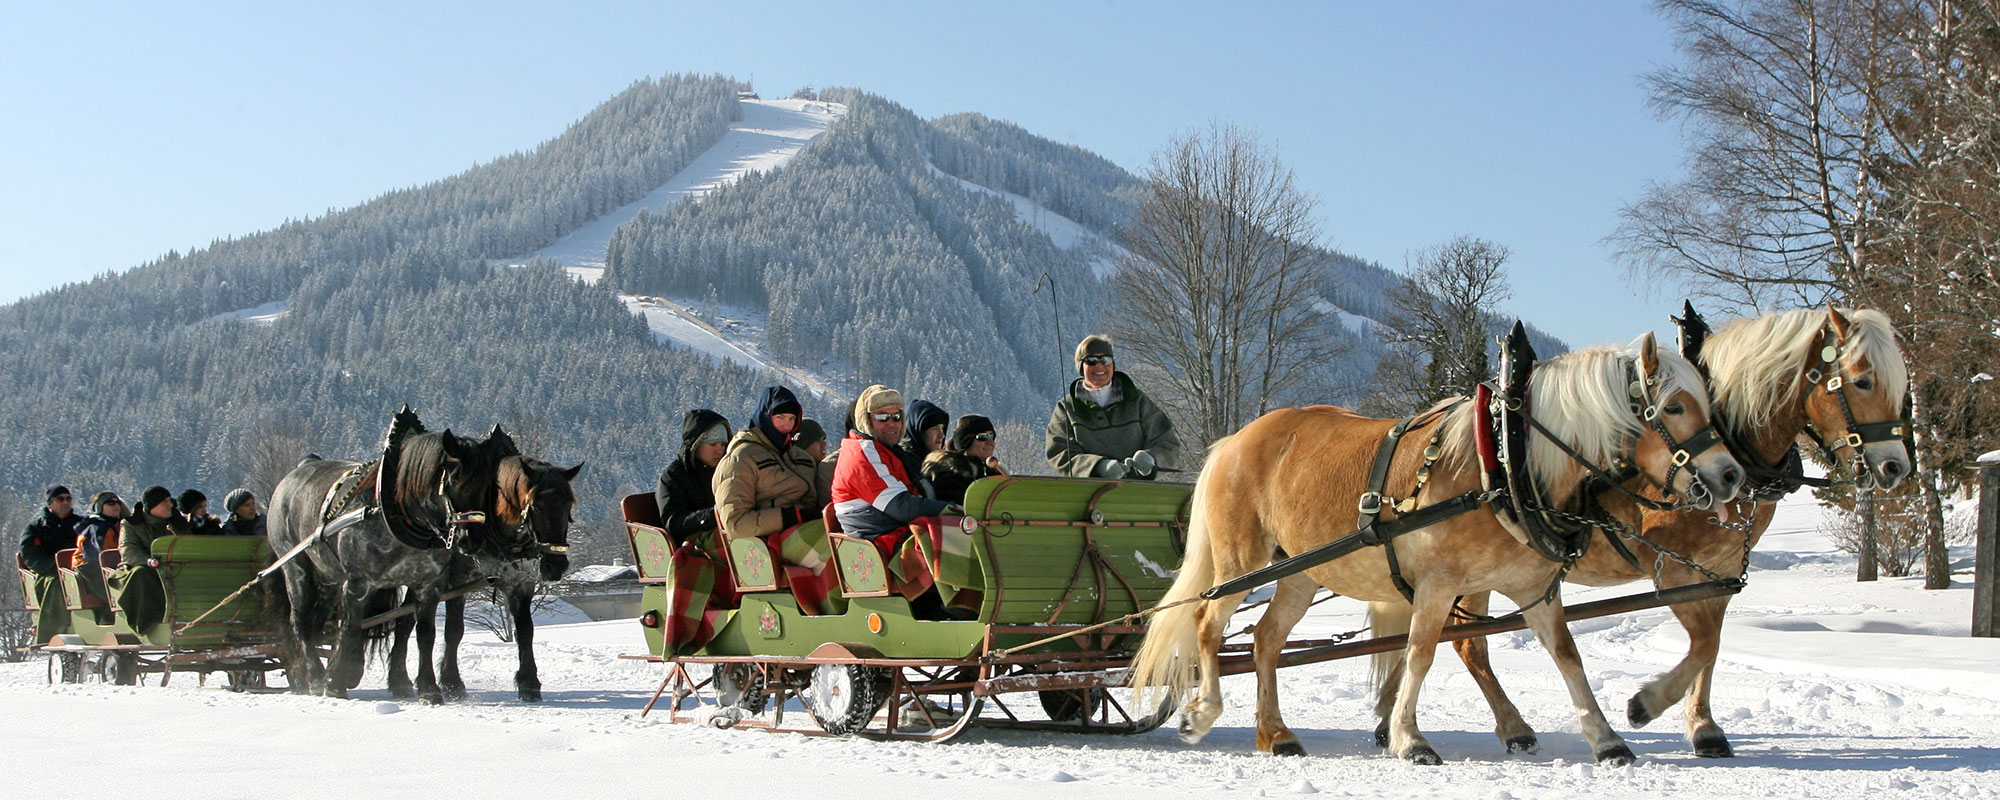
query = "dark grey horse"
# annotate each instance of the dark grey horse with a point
(406, 539)
(535, 497)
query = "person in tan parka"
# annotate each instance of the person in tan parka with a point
(765, 488)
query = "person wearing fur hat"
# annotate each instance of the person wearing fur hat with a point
(1104, 426)
(766, 488)
(136, 581)
(686, 494)
(245, 518)
(967, 457)
(873, 493)
(50, 532)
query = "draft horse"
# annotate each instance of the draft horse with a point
(534, 499)
(1290, 480)
(1835, 377)
(365, 531)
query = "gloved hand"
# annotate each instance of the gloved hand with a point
(1141, 463)
(705, 519)
(1111, 469)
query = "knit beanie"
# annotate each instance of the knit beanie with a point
(809, 432)
(152, 497)
(235, 500)
(968, 426)
(191, 498)
(54, 492)
(1095, 344)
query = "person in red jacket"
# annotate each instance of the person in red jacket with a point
(872, 491)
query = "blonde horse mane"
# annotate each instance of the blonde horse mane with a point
(1755, 362)
(1581, 397)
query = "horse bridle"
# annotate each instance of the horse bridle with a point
(1639, 398)
(1859, 434)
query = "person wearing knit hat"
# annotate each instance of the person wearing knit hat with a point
(136, 581)
(48, 533)
(967, 457)
(194, 508)
(245, 518)
(766, 488)
(98, 531)
(685, 496)
(1104, 426)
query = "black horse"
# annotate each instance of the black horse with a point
(368, 531)
(534, 497)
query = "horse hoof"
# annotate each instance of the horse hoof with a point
(531, 695)
(431, 698)
(1636, 712)
(1187, 732)
(1716, 746)
(336, 692)
(1291, 748)
(402, 690)
(455, 691)
(1616, 756)
(1382, 736)
(1422, 755)
(1523, 744)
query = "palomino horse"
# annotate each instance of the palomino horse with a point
(357, 570)
(535, 497)
(1773, 379)
(1290, 478)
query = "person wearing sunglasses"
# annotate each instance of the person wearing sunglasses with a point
(50, 532)
(873, 493)
(1104, 426)
(967, 457)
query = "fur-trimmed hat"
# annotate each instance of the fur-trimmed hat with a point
(1096, 344)
(872, 398)
(968, 426)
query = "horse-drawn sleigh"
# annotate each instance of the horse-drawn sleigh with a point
(1611, 444)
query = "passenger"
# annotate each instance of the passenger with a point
(825, 468)
(686, 494)
(96, 534)
(923, 434)
(194, 509)
(137, 581)
(1104, 427)
(764, 488)
(51, 532)
(966, 458)
(245, 518)
(811, 440)
(872, 491)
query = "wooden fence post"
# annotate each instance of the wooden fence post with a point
(1985, 601)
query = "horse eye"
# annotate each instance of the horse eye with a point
(1675, 408)
(1864, 384)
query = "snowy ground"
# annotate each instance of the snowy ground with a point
(1828, 688)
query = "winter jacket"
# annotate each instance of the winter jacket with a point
(96, 533)
(686, 494)
(253, 526)
(136, 537)
(760, 489)
(1083, 435)
(951, 471)
(872, 493)
(205, 525)
(46, 535)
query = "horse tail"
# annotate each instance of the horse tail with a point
(1387, 619)
(1167, 659)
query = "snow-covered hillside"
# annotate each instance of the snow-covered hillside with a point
(1828, 689)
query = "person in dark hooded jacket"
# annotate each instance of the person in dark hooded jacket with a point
(923, 434)
(51, 531)
(686, 494)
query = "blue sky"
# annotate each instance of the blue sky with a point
(136, 128)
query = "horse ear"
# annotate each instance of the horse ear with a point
(1649, 354)
(1837, 321)
(570, 474)
(452, 447)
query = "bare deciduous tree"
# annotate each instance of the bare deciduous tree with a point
(1213, 302)
(275, 448)
(1437, 321)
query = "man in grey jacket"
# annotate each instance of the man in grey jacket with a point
(1104, 427)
